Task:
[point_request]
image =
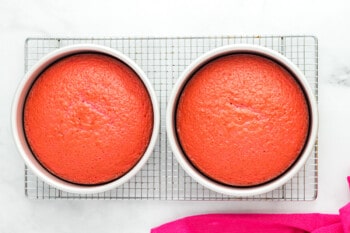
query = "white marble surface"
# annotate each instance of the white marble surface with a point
(328, 20)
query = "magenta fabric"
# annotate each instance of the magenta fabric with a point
(261, 223)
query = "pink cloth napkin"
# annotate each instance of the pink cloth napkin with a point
(261, 223)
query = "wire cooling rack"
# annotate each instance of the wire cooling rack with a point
(163, 60)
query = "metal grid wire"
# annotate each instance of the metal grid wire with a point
(163, 60)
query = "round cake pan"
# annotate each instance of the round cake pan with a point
(171, 125)
(18, 129)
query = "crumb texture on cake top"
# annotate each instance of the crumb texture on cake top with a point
(242, 120)
(88, 118)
